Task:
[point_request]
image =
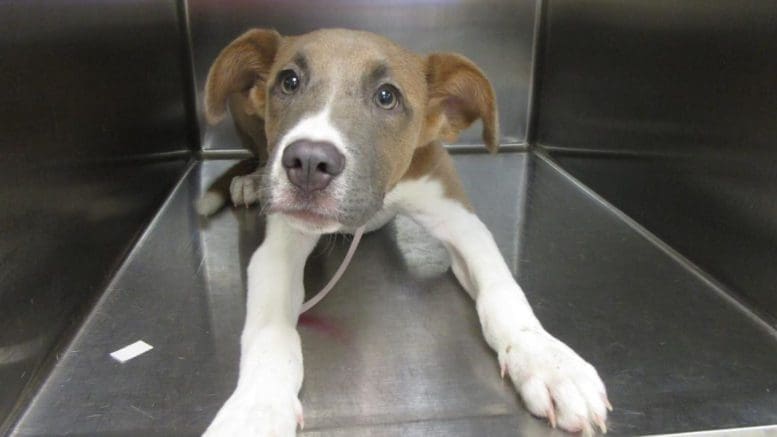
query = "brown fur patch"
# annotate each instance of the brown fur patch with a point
(459, 94)
(442, 94)
(241, 68)
(249, 127)
(365, 51)
(435, 162)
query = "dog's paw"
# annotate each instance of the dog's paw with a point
(244, 190)
(273, 415)
(209, 203)
(555, 383)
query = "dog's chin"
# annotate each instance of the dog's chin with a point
(320, 213)
(311, 222)
(311, 214)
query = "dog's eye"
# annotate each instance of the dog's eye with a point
(289, 81)
(387, 97)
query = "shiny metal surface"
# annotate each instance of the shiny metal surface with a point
(496, 34)
(754, 431)
(91, 139)
(669, 110)
(396, 348)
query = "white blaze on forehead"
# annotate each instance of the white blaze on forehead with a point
(317, 127)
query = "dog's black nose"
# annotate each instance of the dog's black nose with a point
(312, 165)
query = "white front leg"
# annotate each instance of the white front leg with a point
(552, 379)
(265, 402)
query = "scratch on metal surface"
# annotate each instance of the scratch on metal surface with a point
(202, 263)
(141, 411)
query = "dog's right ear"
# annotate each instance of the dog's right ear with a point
(241, 67)
(459, 94)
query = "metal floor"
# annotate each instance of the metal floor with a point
(396, 348)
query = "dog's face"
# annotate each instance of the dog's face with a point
(344, 112)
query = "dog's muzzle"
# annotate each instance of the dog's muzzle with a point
(312, 165)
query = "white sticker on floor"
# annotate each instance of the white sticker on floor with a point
(129, 352)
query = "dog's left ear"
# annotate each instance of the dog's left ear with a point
(459, 93)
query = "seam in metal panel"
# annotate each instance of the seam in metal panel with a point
(456, 149)
(588, 152)
(187, 69)
(535, 77)
(480, 148)
(751, 431)
(387, 424)
(756, 316)
(150, 157)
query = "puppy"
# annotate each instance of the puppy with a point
(354, 126)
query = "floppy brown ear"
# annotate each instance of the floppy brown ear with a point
(459, 94)
(241, 67)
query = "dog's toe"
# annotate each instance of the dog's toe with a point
(556, 384)
(244, 190)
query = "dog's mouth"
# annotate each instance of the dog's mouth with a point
(333, 209)
(312, 217)
(313, 212)
(312, 221)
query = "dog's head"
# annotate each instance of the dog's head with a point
(344, 111)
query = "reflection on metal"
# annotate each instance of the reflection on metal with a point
(755, 431)
(667, 109)
(496, 34)
(395, 353)
(22, 351)
(92, 139)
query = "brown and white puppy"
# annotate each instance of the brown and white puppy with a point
(353, 127)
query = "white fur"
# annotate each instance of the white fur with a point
(265, 401)
(543, 369)
(551, 378)
(316, 127)
(244, 190)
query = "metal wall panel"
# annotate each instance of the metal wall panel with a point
(93, 135)
(669, 110)
(496, 34)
